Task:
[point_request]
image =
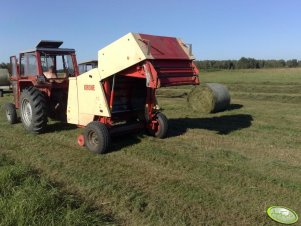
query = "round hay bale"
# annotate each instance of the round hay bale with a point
(209, 98)
(4, 77)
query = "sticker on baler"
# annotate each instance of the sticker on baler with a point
(89, 87)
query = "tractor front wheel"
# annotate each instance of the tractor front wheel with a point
(159, 126)
(11, 113)
(97, 137)
(33, 110)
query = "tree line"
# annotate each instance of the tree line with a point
(246, 63)
(4, 65)
(242, 63)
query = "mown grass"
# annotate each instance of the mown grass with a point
(283, 76)
(215, 169)
(28, 199)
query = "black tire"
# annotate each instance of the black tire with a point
(11, 113)
(163, 126)
(33, 110)
(1, 93)
(97, 137)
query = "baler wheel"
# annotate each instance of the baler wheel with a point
(161, 126)
(33, 110)
(11, 113)
(97, 137)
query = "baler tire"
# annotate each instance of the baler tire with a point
(33, 110)
(163, 126)
(1, 93)
(97, 137)
(11, 113)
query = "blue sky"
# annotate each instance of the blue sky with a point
(218, 29)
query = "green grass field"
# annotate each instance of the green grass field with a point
(216, 169)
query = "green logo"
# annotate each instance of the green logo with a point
(282, 214)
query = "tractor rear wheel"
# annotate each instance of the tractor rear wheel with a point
(11, 113)
(97, 137)
(33, 110)
(160, 127)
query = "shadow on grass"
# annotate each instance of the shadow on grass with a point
(119, 142)
(234, 107)
(222, 125)
(173, 95)
(59, 126)
(4, 92)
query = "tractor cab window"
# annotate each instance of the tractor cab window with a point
(31, 65)
(84, 67)
(22, 64)
(28, 65)
(57, 66)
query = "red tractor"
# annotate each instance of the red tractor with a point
(40, 84)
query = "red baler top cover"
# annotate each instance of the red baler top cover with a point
(165, 47)
(166, 61)
(171, 60)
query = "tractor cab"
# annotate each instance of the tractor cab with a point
(45, 63)
(47, 68)
(87, 66)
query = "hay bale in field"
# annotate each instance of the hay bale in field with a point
(209, 98)
(4, 77)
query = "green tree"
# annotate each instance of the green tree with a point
(4, 65)
(292, 63)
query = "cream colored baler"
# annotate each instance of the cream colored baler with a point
(119, 95)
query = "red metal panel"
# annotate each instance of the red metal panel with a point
(39, 65)
(177, 81)
(175, 72)
(74, 61)
(164, 47)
